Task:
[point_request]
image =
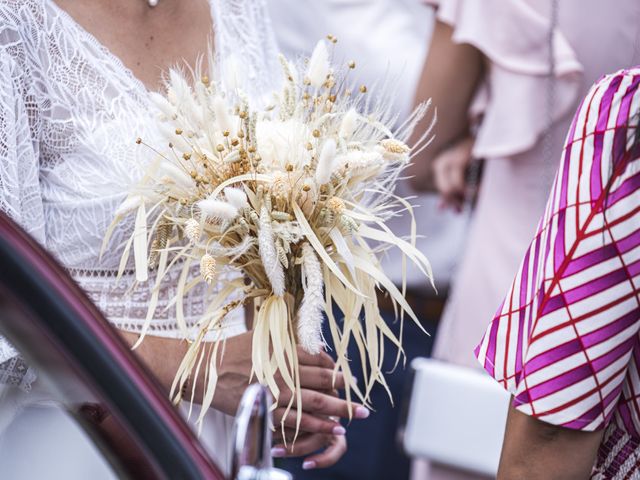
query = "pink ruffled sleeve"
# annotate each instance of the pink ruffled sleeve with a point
(514, 38)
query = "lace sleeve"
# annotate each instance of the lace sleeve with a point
(19, 173)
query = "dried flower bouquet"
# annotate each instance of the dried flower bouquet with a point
(295, 196)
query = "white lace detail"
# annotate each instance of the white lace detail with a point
(70, 112)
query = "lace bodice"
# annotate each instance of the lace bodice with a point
(70, 112)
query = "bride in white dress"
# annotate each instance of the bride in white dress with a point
(75, 79)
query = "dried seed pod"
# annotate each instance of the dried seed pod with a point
(336, 205)
(326, 217)
(162, 236)
(154, 255)
(208, 268)
(253, 216)
(282, 255)
(394, 150)
(347, 225)
(281, 216)
(280, 188)
(394, 146)
(192, 230)
(243, 226)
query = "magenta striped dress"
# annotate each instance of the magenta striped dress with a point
(566, 340)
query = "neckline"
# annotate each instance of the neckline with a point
(108, 54)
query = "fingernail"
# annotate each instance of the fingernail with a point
(308, 465)
(277, 452)
(339, 430)
(362, 412)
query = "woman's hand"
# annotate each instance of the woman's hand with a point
(450, 172)
(163, 356)
(320, 450)
(316, 379)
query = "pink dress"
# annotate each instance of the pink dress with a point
(566, 341)
(592, 38)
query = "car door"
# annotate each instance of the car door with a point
(87, 376)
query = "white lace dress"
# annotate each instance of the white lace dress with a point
(70, 112)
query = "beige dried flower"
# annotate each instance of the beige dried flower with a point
(208, 268)
(394, 150)
(159, 243)
(280, 187)
(347, 225)
(394, 146)
(336, 205)
(192, 230)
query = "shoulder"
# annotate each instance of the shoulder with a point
(601, 108)
(607, 110)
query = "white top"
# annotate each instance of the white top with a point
(388, 39)
(70, 112)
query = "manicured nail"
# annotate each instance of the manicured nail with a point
(308, 465)
(339, 430)
(362, 412)
(278, 452)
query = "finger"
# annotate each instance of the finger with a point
(286, 435)
(319, 403)
(322, 359)
(308, 423)
(457, 178)
(283, 435)
(330, 456)
(454, 201)
(317, 378)
(303, 446)
(447, 185)
(440, 176)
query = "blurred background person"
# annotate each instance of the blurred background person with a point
(500, 98)
(387, 39)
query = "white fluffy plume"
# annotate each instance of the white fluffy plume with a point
(319, 66)
(234, 72)
(169, 172)
(311, 311)
(326, 161)
(218, 209)
(349, 124)
(129, 205)
(223, 118)
(162, 104)
(236, 197)
(268, 253)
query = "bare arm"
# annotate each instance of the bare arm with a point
(450, 78)
(535, 450)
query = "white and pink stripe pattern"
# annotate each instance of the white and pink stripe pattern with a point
(565, 342)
